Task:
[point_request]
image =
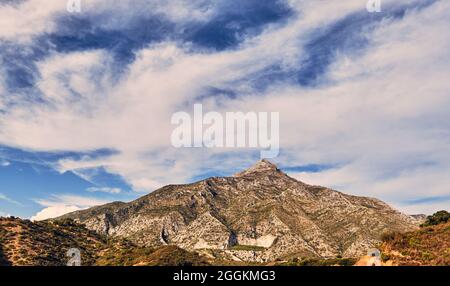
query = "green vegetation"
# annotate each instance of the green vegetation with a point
(247, 248)
(127, 254)
(389, 236)
(385, 257)
(438, 218)
(320, 262)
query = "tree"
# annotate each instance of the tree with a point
(437, 218)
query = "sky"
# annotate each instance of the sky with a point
(86, 98)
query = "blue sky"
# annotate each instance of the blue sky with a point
(86, 98)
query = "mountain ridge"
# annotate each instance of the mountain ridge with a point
(261, 208)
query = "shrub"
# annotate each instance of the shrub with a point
(247, 248)
(437, 218)
(385, 257)
(389, 236)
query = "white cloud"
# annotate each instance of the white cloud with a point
(58, 205)
(54, 211)
(4, 163)
(22, 21)
(104, 190)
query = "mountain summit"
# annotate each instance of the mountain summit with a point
(263, 166)
(260, 214)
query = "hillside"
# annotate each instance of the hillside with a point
(428, 246)
(42, 243)
(258, 215)
(26, 243)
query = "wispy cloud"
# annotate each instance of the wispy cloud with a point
(56, 200)
(104, 190)
(4, 163)
(428, 200)
(9, 200)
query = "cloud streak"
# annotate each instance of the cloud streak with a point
(9, 200)
(104, 190)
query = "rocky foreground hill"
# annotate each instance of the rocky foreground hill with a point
(429, 246)
(26, 243)
(258, 215)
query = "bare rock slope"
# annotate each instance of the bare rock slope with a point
(260, 214)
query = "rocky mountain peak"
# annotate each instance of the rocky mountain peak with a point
(263, 166)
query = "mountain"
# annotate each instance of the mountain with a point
(419, 218)
(260, 215)
(26, 243)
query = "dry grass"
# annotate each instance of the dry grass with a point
(427, 246)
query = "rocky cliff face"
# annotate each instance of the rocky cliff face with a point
(260, 214)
